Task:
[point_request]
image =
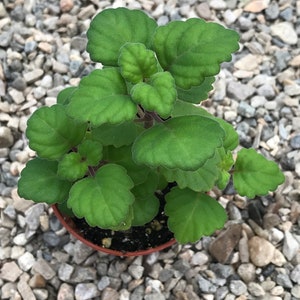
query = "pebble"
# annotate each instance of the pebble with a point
(261, 251)
(84, 291)
(290, 246)
(239, 91)
(237, 287)
(26, 261)
(286, 32)
(33, 76)
(6, 137)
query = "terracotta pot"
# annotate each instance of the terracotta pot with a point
(71, 228)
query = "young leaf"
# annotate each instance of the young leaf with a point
(102, 98)
(90, 152)
(103, 200)
(193, 50)
(137, 62)
(196, 94)
(72, 167)
(254, 175)
(201, 180)
(64, 96)
(193, 215)
(116, 135)
(182, 108)
(158, 94)
(40, 183)
(113, 28)
(52, 133)
(183, 142)
(225, 163)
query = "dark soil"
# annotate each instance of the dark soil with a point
(136, 238)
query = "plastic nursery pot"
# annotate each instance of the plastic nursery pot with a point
(68, 223)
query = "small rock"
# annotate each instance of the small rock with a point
(31, 77)
(205, 285)
(103, 283)
(199, 259)
(284, 281)
(25, 290)
(249, 62)
(261, 251)
(290, 246)
(136, 271)
(272, 11)
(247, 272)
(37, 281)
(296, 291)
(217, 4)
(20, 239)
(6, 137)
(79, 43)
(255, 289)
(42, 267)
(84, 291)
(110, 294)
(65, 292)
(295, 141)
(246, 110)
(286, 32)
(222, 247)
(65, 272)
(26, 261)
(237, 287)
(10, 271)
(66, 5)
(292, 89)
(86, 12)
(295, 274)
(81, 252)
(239, 91)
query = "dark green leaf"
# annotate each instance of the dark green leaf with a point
(193, 215)
(183, 142)
(52, 133)
(90, 152)
(40, 183)
(64, 96)
(102, 98)
(113, 28)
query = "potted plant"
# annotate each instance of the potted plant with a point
(128, 143)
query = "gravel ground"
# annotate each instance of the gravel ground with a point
(257, 255)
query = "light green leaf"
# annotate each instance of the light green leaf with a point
(254, 175)
(182, 108)
(71, 167)
(113, 28)
(102, 98)
(103, 200)
(158, 94)
(196, 94)
(40, 183)
(116, 135)
(193, 215)
(64, 96)
(225, 163)
(137, 62)
(201, 180)
(52, 133)
(90, 152)
(183, 142)
(193, 50)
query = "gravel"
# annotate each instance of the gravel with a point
(256, 255)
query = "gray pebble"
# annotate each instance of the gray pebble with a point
(237, 287)
(272, 11)
(205, 285)
(284, 281)
(246, 110)
(84, 291)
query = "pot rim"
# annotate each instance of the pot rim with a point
(72, 230)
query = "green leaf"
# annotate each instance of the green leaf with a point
(102, 98)
(146, 204)
(225, 163)
(40, 183)
(116, 135)
(137, 62)
(72, 167)
(91, 152)
(122, 156)
(182, 108)
(193, 215)
(193, 50)
(196, 94)
(183, 142)
(113, 28)
(158, 94)
(64, 96)
(254, 175)
(63, 208)
(201, 180)
(105, 199)
(52, 133)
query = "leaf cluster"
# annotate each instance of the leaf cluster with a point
(131, 128)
